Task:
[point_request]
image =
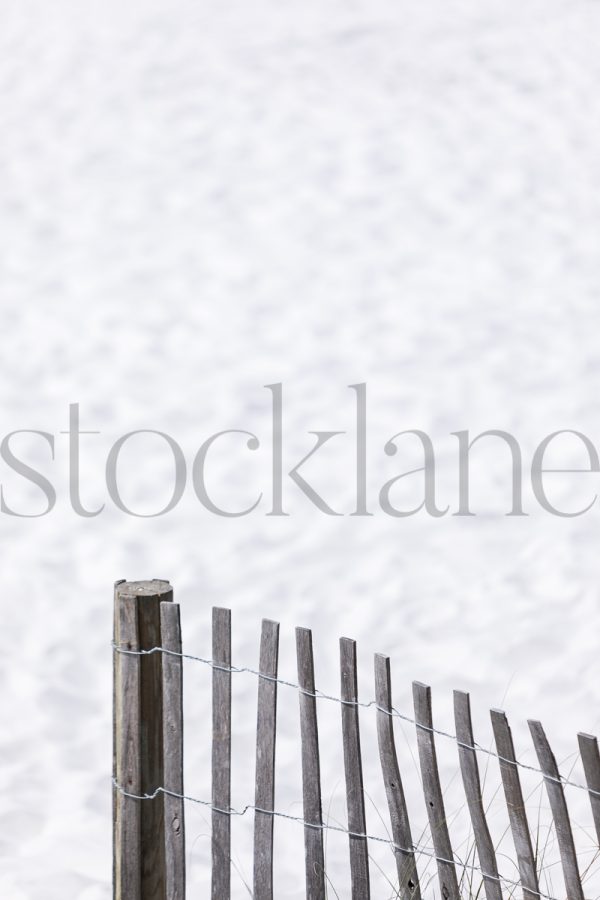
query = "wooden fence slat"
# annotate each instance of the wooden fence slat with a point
(408, 878)
(588, 748)
(472, 785)
(560, 813)
(127, 840)
(515, 804)
(221, 755)
(115, 793)
(311, 769)
(432, 791)
(355, 797)
(172, 684)
(265, 761)
(150, 594)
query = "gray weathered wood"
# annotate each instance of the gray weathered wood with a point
(149, 595)
(472, 785)
(408, 878)
(311, 769)
(115, 800)
(432, 791)
(355, 797)
(221, 756)
(265, 761)
(560, 813)
(515, 805)
(127, 836)
(172, 682)
(588, 748)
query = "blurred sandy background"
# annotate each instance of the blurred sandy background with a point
(201, 199)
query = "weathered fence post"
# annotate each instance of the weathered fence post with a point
(139, 836)
(432, 791)
(515, 804)
(408, 879)
(472, 785)
(172, 683)
(221, 755)
(266, 730)
(590, 757)
(560, 813)
(355, 794)
(314, 855)
(126, 752)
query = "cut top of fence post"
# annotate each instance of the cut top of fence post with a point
(153, 587)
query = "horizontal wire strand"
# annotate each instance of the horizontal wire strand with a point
(320, 695)
(416, 849)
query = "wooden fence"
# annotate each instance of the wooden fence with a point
(148, 793)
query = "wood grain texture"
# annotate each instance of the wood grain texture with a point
(266, 729)
(127, 835)
(355, 798)
(432, 791)
(560, 813)
(149, 596)
(513, 794)
(472, 785)
(311, 769)
(588, 748)
(172, 685)
(408, 880)
(221, 756)
(116, 687)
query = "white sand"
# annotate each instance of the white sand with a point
(199, 203)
